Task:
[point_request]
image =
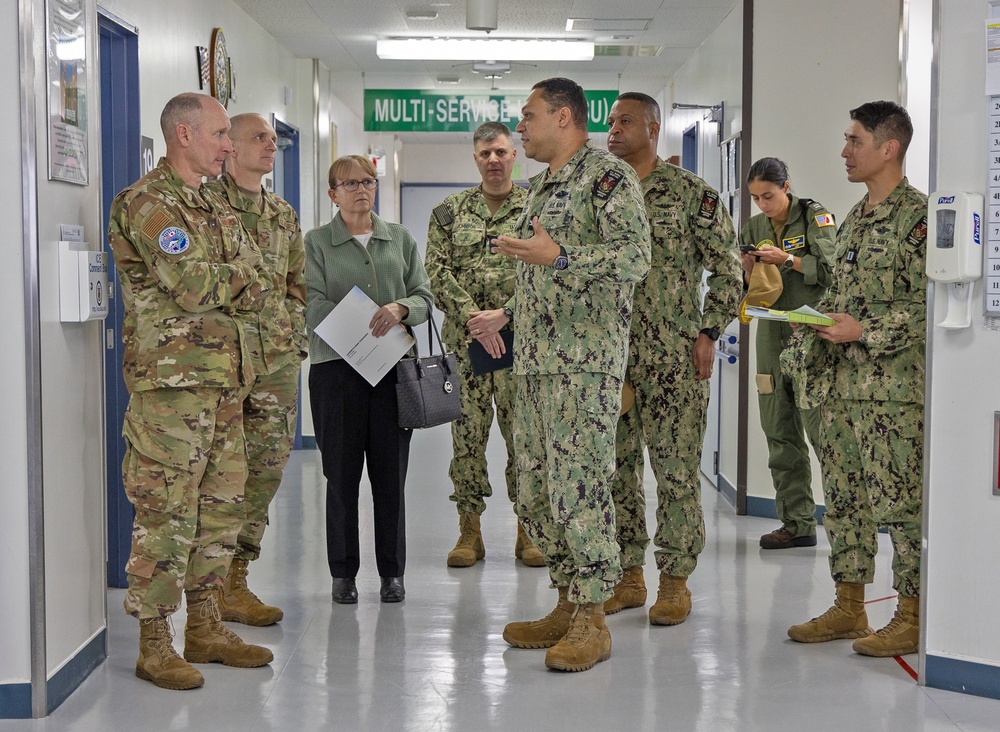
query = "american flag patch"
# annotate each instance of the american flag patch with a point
(824, 220)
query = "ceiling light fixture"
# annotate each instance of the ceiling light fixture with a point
(469, 49)
(491, 69)
(421, 15)
(481, 15)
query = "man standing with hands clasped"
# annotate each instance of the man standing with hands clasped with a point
(468, 278)
(584, 243)
(276, 338)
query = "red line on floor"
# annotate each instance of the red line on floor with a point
(906, 667)
(881, 599)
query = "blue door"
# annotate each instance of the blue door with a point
(286, 185)
(120, 166)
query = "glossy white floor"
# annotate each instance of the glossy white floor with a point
(437, 661)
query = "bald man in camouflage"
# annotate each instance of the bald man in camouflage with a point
(188, 274)
(277, 340)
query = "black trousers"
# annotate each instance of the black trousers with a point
(356, 424)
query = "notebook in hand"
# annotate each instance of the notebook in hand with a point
(483, 363)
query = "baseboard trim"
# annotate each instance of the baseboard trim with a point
(965, 677)
(15, 698)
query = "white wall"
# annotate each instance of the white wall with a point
(961, 590)
(72, 364)
(712, 75)
(802, 93)
(15, 661)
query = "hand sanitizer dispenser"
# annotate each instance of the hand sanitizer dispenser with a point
(955, 251)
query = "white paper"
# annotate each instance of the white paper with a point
(346, 330)
(992, 57)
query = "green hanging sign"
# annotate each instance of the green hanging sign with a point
(415, 110)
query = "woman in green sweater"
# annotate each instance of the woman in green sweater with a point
(356, 423)
(798, 236)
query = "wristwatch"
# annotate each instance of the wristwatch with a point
(790, 262)
(562, 262)
(712, 333)
(509, 313)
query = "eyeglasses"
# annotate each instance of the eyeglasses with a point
(352, 185)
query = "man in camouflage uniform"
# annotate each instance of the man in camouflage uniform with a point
(671, 354)
(588, 246)
(871, 363)
(188, 274)
(468, 278)
(276, 338)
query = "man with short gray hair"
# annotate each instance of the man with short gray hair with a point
(188, 274)
(467, 279)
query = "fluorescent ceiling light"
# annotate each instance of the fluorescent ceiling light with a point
(469, 49)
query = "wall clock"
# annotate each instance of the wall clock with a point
(220, 68)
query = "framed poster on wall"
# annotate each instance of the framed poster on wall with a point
(66, 87)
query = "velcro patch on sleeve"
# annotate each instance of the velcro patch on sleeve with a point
(709, 202)
(604, 187)
(155, 224)
(824, 219)
(918, 234)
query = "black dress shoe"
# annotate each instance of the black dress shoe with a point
(345, 591)
(392, 589)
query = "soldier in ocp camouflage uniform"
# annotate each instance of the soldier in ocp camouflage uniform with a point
(188, 273)
(671, 353)
(588, 246)
(468, 278)
(277, 341)
(867, 373)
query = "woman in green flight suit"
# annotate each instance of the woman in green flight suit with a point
(798, 236)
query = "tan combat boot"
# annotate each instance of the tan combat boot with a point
(206, 639)
(526, 551)
(237, 604)
(158, 661)
(586, 643)
(673, 601)
(846, 619)
(630, 592)
(469, 548)
(543, 633)
(899, 637)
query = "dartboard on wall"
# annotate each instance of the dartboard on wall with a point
(220, 68)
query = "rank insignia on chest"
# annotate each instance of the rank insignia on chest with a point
(793, 242)
(173, 240)
(604, 187)
(824, 220)
(918, 233)
(709, 202)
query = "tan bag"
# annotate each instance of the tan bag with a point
(764, 290)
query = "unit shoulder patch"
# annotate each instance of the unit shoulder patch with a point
(709, 202)
(174, 241)
(605, 186)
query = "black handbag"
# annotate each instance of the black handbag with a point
(427, 389)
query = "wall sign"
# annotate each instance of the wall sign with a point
(66, 67)
(415, 110)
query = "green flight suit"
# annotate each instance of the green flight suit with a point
(809, 234)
